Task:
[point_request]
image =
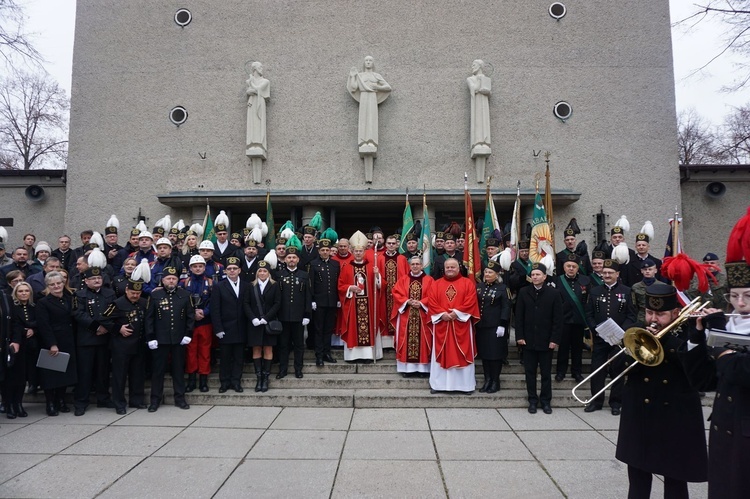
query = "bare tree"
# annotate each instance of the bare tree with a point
(696, 140)
(735, 139)
(33, 122)
(14, 42)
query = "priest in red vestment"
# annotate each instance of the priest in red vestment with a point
(359, 290)
(344, 257)
(411, 321)
(453, 308)
(392, 266)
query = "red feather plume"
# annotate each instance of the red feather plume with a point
(738, 245)
(681, 268)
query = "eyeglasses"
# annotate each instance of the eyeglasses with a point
(736, 297)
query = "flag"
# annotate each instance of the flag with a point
(674, 230)
(208, 226)
(472, 260)
(540, 248)
(406, 225)
(515, 225)
(271, 234)
(490, 224)
(426, 238)
(548, 208)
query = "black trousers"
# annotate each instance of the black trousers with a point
(159, 358)
(571, 346)
(602, 351)
(640, 485)
(14, 384)
(93, 370)
(542, 359)
(324, 320)
(130, 368)
(30, 352)
(232, 358)
(292, 337)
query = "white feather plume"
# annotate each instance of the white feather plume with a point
(221, 218)
(141, 272)
(97, 239)
(141, 226)
(113, 222)
(97, 258)
(621, 253)
(432, 242)
(506, 258)
(648, 229)
(166, 223)
(623, 223)
(253, 221)
(286, 233)
(256, 234)
(179, 225)
(544, 246)
(271, 259)
(549, 262)
(198, 229)
(3, 234)
(264, 229)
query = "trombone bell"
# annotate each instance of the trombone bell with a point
(643, 346)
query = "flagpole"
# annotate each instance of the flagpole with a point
(675, 232)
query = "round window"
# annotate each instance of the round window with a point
(183, 17)
(562, 110)
(178, 115)
(557, 10)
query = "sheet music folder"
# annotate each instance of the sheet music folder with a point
(56, 363)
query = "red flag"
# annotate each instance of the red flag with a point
(472, 259)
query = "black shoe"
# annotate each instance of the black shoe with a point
(258, 382)
(433, 391)
(592, 408)
(203, 383)
(106, 405)
(559, 377)
(532, 408)
(487, 383)
(319, 361)
(223, 388)
(121, 411)
(80, 411)
(578, 377)
(51, 410)
(190, 386)
(182, 405)
(494, 386)
(20, 411)
(153, 407)
(298, 374)
(238, 388)
(328, 358)
(138, 406)
(264, 382)
(62, 406)
(10, 412)
(547, 409)
(282, 374)
(616, 411)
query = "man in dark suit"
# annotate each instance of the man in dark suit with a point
(170, 317)
(230, 324)
(296, 308)
(611, 300)
(575, 292)
(249, 261)
(539, 319)
(324, 278)
(632, 273)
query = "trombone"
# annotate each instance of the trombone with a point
(643, 346)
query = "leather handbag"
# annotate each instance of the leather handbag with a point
(274, 327)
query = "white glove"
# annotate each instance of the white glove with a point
(305, 322)
(263, 321)
(314, 306)
(220, 335)
(500, 332)
(153, 344)
(338, 304)
(256, 322)
(186, 340)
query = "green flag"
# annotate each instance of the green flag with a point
(426, 238)
(489, 226)
(271, 235)
(208, 227)
(406, 225)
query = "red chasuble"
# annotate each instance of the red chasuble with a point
(454, 340)
(391, 269)
(343, 262)
(413, 325)
(359, 324)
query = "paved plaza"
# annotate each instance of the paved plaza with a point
(229, 452)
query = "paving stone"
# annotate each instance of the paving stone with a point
(567, 445)
(167, 415)
(500, 479)
(124, 441)
(299, 444)
(480, 445)
(68, 476)
(36, 413)
(313, 418)
(8, 428)
(14, 464)
(583, 479)
(211, 442)
(44, 439)
(312, 479)
(389, 419)
(560, 419)
(171, 477)
(389, 445)
(466, 419)
(94, 416)
(599, 420)
(357, 478)
(238, 417)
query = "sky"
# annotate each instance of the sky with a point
(53, 21)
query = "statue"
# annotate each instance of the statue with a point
(369, 89)
(258, 92)
(480, 88)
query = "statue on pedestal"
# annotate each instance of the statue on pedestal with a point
(480, 88)
(369, 89)
(258, 92)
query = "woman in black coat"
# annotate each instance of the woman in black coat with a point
(262, 303)
(492, 338)
(23, 326)
(120, 281)
(54, 317)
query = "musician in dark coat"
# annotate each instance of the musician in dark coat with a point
(610, 300)
(575, 289)
(294, 314)
(261, 306)
(539, 318)
(127, 315)
(55, 325)
(726, 371)
(324, 278)
(170, 317)
(492, 329)
(661, 427)
(230, 324)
